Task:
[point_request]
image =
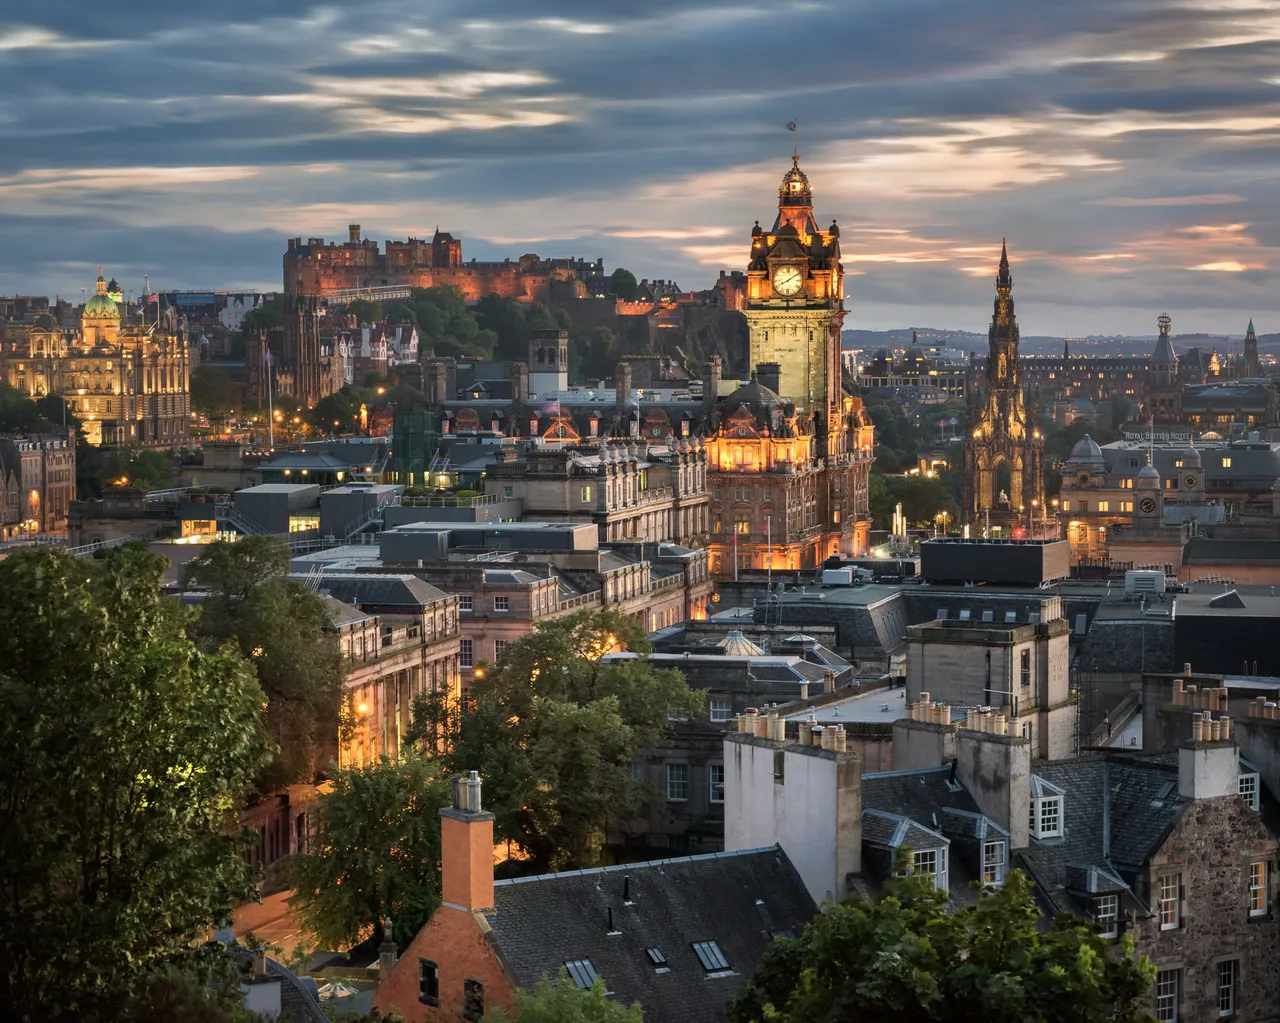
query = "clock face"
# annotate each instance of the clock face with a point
(1147, 505)
(1189, 482)
(787, 281)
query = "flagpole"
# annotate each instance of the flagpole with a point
(271, 420)
(735, 552)
(768, 541)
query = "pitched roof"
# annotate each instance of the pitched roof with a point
(738, 900)
(375, 590)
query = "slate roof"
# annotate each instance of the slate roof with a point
(1141, 808)
(738, 900)
(403, 593)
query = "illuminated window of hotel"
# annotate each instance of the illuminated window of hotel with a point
(302, 523)
(742, 526)
(1104, 506)
(1226, 462)
(1126, 506)
(586, 495)
(1066, 506)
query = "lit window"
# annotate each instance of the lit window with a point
(993, 862)
(742, 526)
(716, 777)
(428, 982)
(1170, 901)
(1104, 506)
(711, 957)
(464, 602)
(586, 495)
(466, 653)
(502, 603)
(719, 708)
(677, 782)
(1227, 971)
(581, 972)
(1106, 914)
(932, 862)
(1226, 461)
(1248, 787)
(1167, 984)
(1258, 894)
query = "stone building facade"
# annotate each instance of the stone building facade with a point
(37, 483)
(127, 380)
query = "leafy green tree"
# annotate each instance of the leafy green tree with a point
(212, 390)
(377, 853)
(136, 466)
(337, 412)
(125, 751)
(911, 956)
(602, 354)
(878, 498)
(283, 629)
(553, 730)
(18, 412)
(364, 310)
(562, 1001)
(505, 319)
(624, 284)
(447, 326)
(267, 316)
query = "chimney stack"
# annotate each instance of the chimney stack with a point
(622, 379)
(387, 951)
(1208, 765)
(711, 383)
(996, 769)
(466, 848)
(769, 374)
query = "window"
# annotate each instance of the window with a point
(1248, 788)
(1258, 893)
(658, 959)
(716, 777)
(499, 645)
(719, 708)
(466, 653)
(742, 525)
(1106, 914)
(933, 862)
(677, 782)
(1126, 506)
(710, 955)
(508, 492)
(1104, 506)
(1226, 461)
(1167, 984)
(502, 603)
(472, 999)
(581, 972)
(1026, 667)
(1170, 901)
(464, 602)
(742, 493)
(586, 499)
(428, 982)
(1227, 971)
(1046, 817)
(1082, 506)
(303, 523)
(1066, 504)
(993, 860)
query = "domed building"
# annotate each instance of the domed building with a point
(126, 379)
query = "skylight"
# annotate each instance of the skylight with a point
(710, 955)
(581, 972)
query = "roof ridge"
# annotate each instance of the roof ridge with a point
(639, 865)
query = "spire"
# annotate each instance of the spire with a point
(1066, 348)
(1004, 279)
(1249, 332)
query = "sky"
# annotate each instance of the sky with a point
(1127, 150)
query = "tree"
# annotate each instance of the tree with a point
(133, 466)
(910, 956)
(283, 629)
(447, 326)
(377, 853)
(212, 390)
(125, 751)
(624, 285)
(553, 731)
(562, 1001)
(337, 412)
(18, 412)
(364, 310)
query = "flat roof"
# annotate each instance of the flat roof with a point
(882, 705)
(278, 488)
(446, 526)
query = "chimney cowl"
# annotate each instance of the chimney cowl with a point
(466, 792)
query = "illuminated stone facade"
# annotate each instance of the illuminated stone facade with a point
(127, 380)
(790, 452)
(328, 270)
(1003, 434)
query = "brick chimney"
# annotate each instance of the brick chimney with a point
(711, 383)
(466, 848)
(622, 379)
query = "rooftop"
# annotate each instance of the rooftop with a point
(879, 705)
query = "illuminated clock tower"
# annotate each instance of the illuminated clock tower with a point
(795, 307)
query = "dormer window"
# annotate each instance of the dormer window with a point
(932, 862)
(1046, 817)
(1247, 785)
(1106, 914)
(993, 863)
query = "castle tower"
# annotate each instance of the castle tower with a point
(1000, 434)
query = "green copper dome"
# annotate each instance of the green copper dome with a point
(101, 304)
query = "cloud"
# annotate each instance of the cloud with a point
(1100, 137)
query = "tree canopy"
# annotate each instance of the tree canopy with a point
(447, 326)
(212, 390)
(624, 283)
(912, 957)
(377, 853)
(125, 750)
(283, 629)
(364, 310)
(562, 1001)
(553, 731)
